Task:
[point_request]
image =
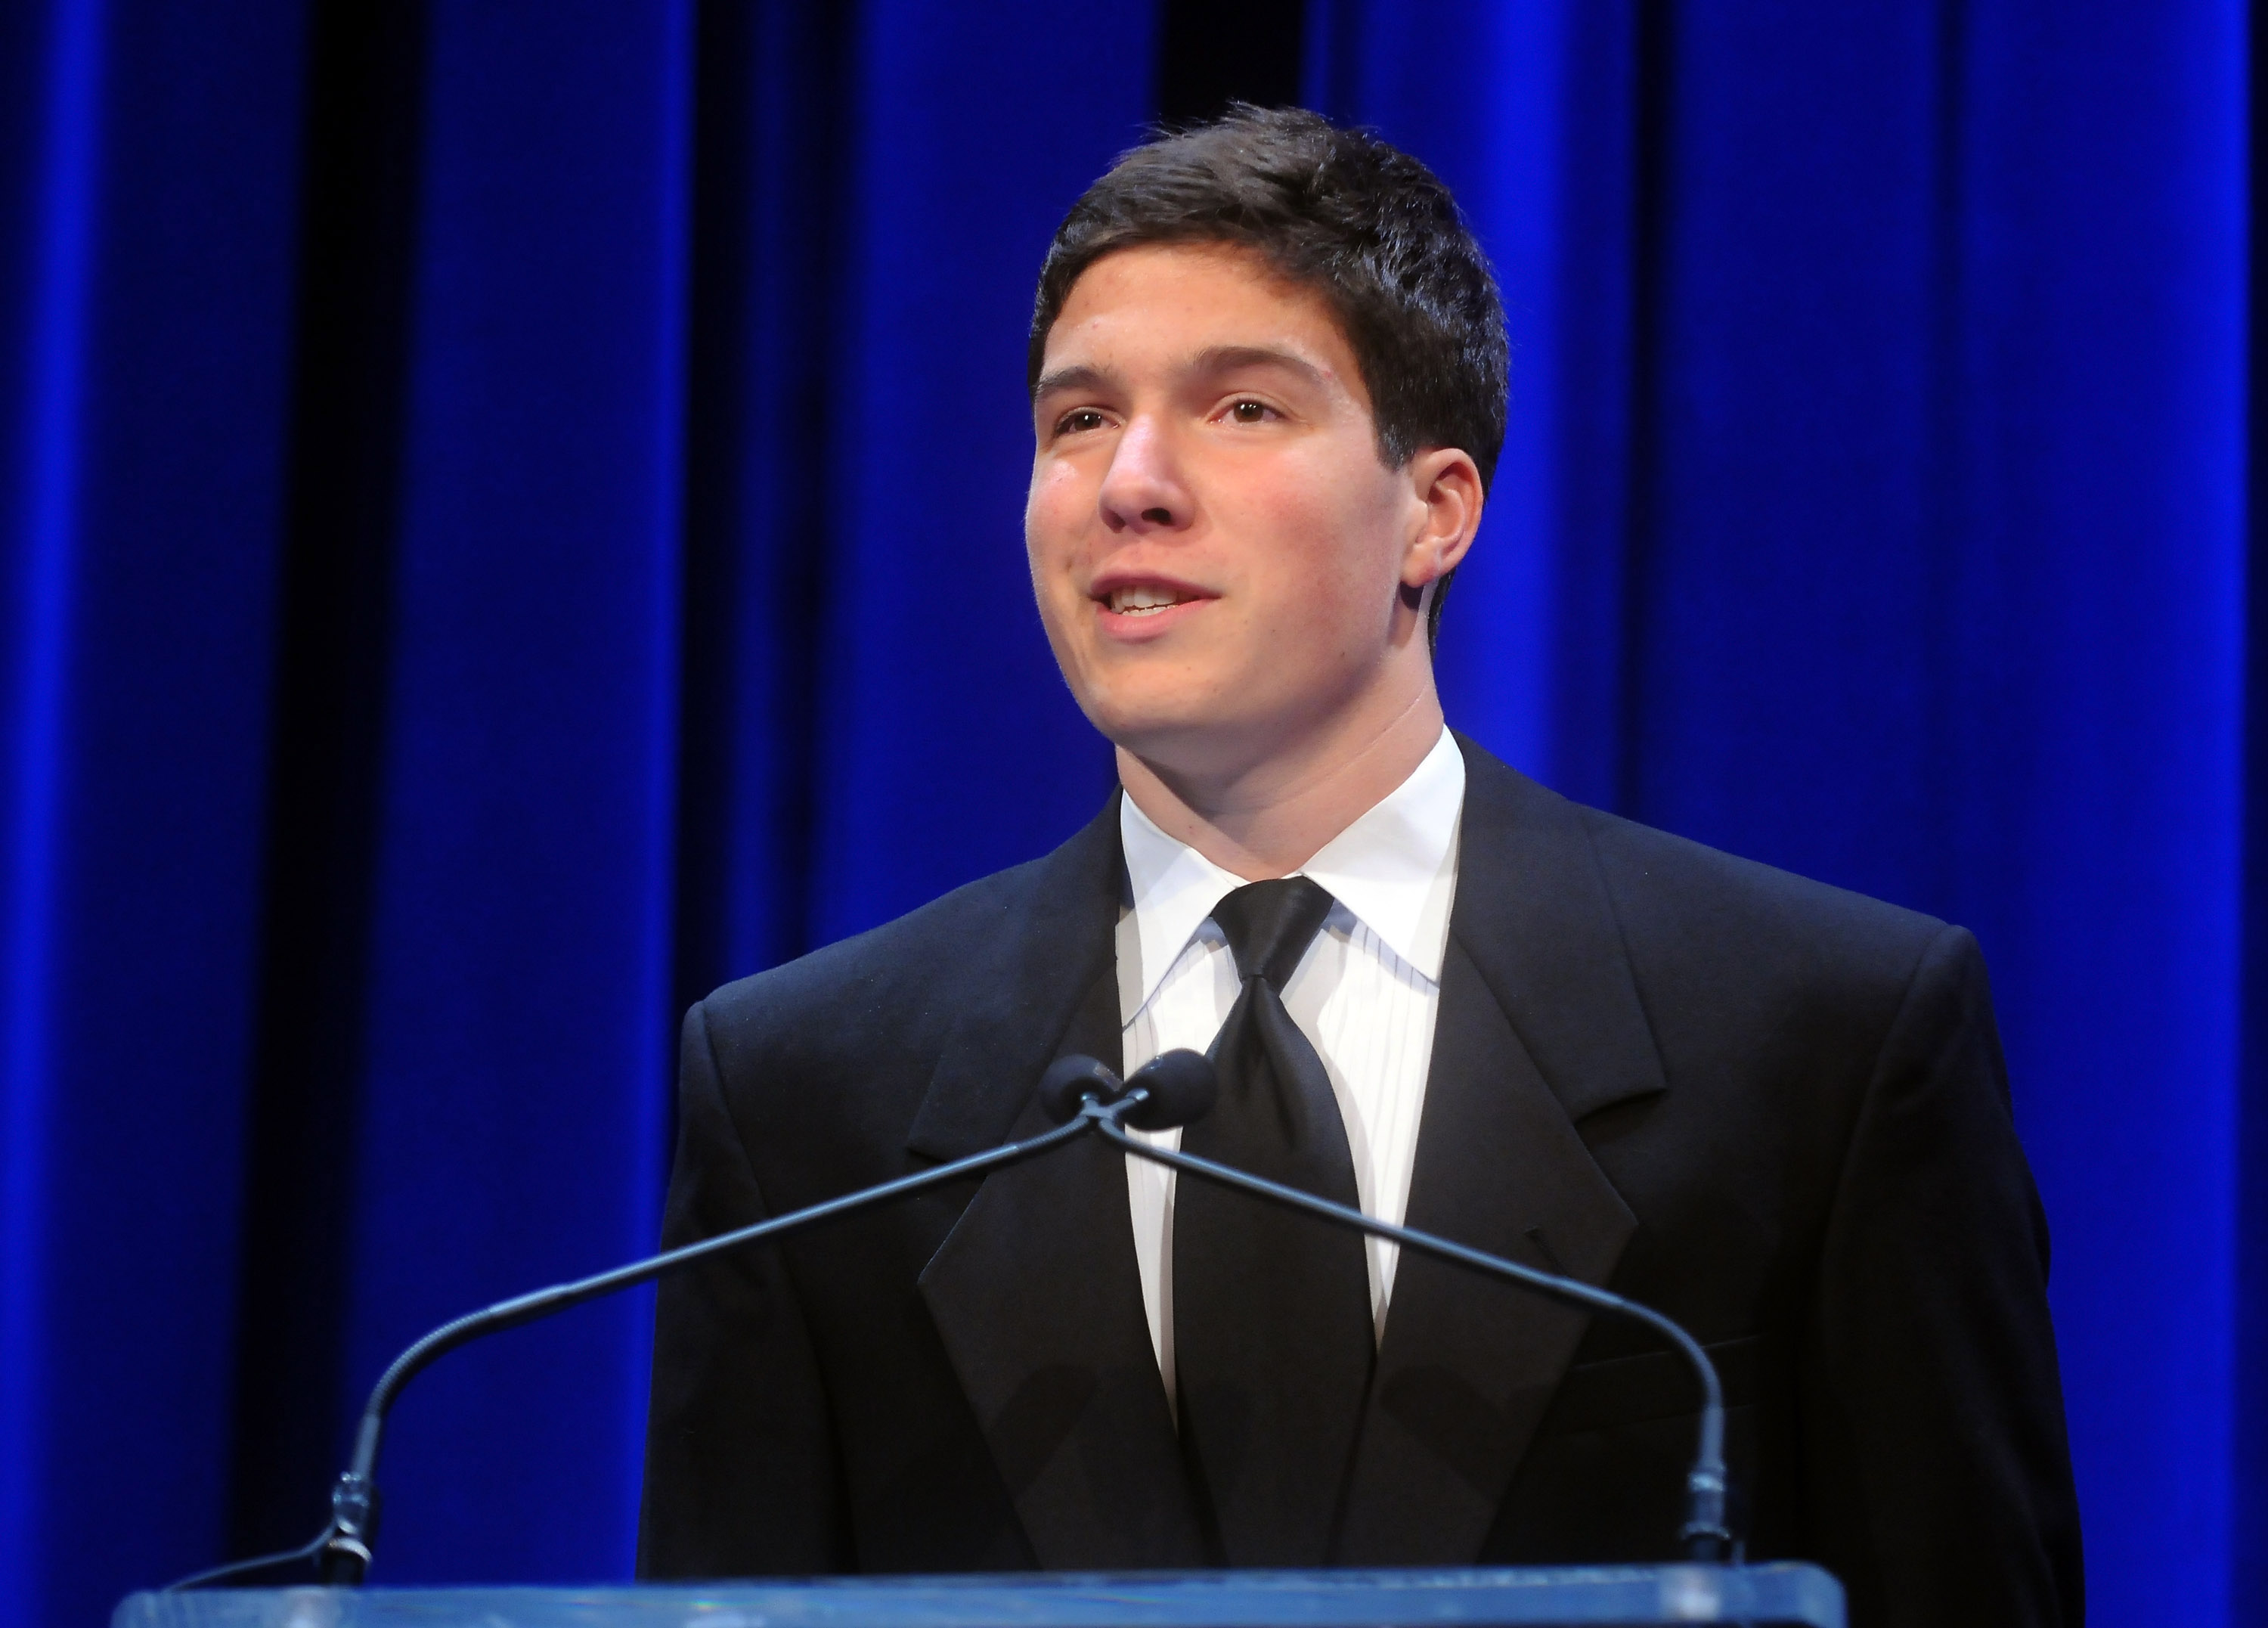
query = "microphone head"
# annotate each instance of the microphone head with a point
(1070, 1082)
(1182, 1085)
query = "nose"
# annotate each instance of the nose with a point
(1144, 492)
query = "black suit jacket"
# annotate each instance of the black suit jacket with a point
(1775, 1110)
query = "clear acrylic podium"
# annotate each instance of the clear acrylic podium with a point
(1758, 1594)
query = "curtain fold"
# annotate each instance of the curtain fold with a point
(147, 356)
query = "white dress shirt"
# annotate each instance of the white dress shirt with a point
(1365, 995)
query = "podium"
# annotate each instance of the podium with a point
(1758, 1594)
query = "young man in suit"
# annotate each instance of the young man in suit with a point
(1268, 375)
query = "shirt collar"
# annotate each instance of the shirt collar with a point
(1394, 870)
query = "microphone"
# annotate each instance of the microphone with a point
(1078, 1092)
(1172, 1088)
(1179, 1086)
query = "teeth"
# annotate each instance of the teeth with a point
(1137, 601)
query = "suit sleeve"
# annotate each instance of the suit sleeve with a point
(741, 1476)
(1940, 1476)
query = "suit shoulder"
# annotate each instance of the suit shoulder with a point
(1738, 961)
(1665, 890)
(1679, 898)
(911, 971)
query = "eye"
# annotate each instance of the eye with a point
(1250, 412)
(1078, 421)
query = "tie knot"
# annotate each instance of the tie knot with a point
(1270, 924)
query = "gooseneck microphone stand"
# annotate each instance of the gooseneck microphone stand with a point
(344, 1547)
(1706, 1534)
(1081, 1095)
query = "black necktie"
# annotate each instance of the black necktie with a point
(1272, 1331)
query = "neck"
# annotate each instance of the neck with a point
(1268, 817)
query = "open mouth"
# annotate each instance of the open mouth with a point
(1146, 598)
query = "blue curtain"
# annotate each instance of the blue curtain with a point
(509, 516)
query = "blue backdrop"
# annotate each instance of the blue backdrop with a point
(509, 516)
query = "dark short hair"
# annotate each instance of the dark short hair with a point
(1341, 211)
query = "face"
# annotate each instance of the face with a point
(1221, 558)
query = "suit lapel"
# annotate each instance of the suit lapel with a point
(1049, 943)
(1532, 908)
(1539, 1023)
(1035, 1291)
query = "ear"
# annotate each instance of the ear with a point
(1446, 485)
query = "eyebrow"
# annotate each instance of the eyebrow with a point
(1228, 359)
(1214, 359)
(1081, 378)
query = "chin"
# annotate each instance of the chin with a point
(1179, 716)
(1144, 731)
(1190, 741)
